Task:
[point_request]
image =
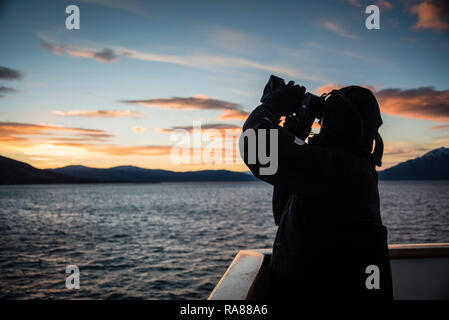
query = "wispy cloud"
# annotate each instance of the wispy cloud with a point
(220, 127)
(355, 3)
(331, 86)
(380, 3)
(118, 150)
(98, 113)
(229, 110)
(338, 29)
(139, 130)
(149, 150)
(44, 140)
(17, 131)
(408, 151)
(420, 103)
(4, 89)
(53, 48)
(214, 62)
(432, 14)
(201, 61)
(126, 151)
(384, 4)
(399, 151)
(440, 127)
(7, 89)
(233, 114)
(105, 55)
(327, 88)
(9, 74)
(424, 103)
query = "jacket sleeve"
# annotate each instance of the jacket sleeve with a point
(296, 166)
(280, 201)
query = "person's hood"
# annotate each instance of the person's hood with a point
(351, 120)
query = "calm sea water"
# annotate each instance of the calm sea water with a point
(163, 241)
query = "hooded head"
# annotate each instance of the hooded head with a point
(351, 119)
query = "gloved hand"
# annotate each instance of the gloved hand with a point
(299, 129)
(287, 99)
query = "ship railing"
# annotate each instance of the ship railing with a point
(420, 271)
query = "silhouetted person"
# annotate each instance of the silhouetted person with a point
(325, 198)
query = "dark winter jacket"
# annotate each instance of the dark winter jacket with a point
(326, 204)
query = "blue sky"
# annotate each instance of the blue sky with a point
(218, 54)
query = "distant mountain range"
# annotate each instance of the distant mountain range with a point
(136, 174)
(16, 172)
(434, 165)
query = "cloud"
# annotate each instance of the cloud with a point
(399, 151)
(15, 137)
(78, 139)
(222, 127)
(380, 3)
(6, 90)
(20, 132)
(432, 14)
(117, 150)
(147, 150)
(214, 62)
(139, 130)
(18, 136)
(10, 74)
(440, 127)
(201, 61)
(98, 113)
(355, 3)
(421, 103)
(105, 55)
(384, 4)
(339, 30)
(329, 87)
(197, 102)
(424, 103)
(389, 151)
(229, 110)
(233, 114)
(53, 48)
(151, 150)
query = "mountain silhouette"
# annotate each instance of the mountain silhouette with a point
(16, 172)
(433, 165)
(136, 174)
